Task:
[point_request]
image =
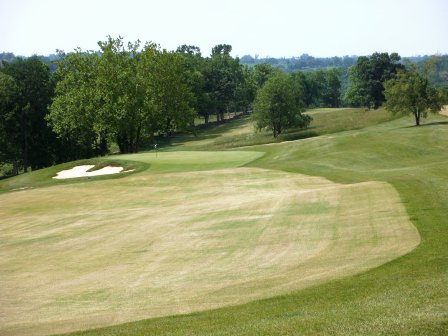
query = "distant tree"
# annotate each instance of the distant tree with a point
(410, 93)
(321, 88)
(367, 77)
(190, 50)
(246, 91)
(331, 88)
(222, 50)
(276, 107)
(262, 72)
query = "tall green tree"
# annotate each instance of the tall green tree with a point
(277, 107)
(410, 93)
(168, 91)
(331, 89)
(74, 112)
(122, 113)
(10, 149)
(32, 90)
(223, 73)
(262, 72)
(246, 91)
(194, 72)
(120, 93)
(367, 77)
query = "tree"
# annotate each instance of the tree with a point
(121, 114)
(246, 91)
(168, 92)
(277, 108)
(410, 93)
(32, 91)
(223, 73)
(367, 77)
(331, 90)
(120, 93)
(262, 72)
(76, 105)
(194, 72)
(10, 149)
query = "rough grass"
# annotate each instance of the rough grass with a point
(241, 132)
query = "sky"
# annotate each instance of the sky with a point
(268, 28)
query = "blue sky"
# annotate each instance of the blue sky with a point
(276, 28)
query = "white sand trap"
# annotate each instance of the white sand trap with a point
(82, 171)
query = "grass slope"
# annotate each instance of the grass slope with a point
(408, 296)
(405, 296)
(240, 132)
(84, 255)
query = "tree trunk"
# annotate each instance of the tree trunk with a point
(24, 143)
(417, 118)
(206, 119)
(15, 167)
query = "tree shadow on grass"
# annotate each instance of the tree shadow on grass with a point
(299, 135)
(435, 123)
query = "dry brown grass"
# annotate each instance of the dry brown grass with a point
(92, 254)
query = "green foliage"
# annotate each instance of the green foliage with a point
(75, 108)
(223, 74)
(262, 72)
(321, 88)
(367, 77)
(245, 91)
(278, 105)
(410, 93)
(435, 69)
(167, 96)
(9, 121)
(25, 92)
(194, 72)
(120, 94)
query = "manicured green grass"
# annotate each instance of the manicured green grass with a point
(192, 160)
(407, 296)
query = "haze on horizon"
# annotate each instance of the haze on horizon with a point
(281, 28)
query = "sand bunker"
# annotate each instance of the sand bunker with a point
(82, 171)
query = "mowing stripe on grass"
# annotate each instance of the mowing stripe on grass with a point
(87, 255)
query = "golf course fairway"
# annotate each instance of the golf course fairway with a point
(195, 231)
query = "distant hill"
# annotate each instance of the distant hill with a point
(438, 75)
(48, 60)
(303, 62)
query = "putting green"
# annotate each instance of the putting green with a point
(91, 254)
(192, 160)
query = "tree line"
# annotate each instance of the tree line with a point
(125, 93)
